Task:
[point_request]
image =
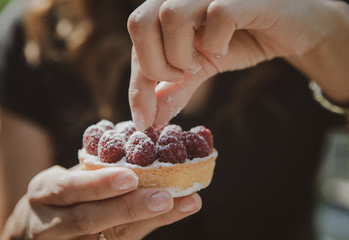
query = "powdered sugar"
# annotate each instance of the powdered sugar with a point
(125, 128)
(141, 137)
(124, 125)
(174, 112)
(172, 129)
(169, 99)
(140, 149)
(90, 159)
(105, 124)
(111, 147)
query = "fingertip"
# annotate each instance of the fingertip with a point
(114, 171)
(142, 99)
(169, 102)
(139, 120)
(191, 203)
(125, 181)
(160, 201)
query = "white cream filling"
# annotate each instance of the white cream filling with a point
(91, 159)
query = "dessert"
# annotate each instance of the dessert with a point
(180, 161)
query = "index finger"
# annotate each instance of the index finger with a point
(142, 96)
(145, 31)
(61, 187)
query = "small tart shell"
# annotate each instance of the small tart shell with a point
(179, 179)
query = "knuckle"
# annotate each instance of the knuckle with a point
(37, 182)
(35, 185)
(80, 218)
(121, 232)
(219, 10)
(56, 168)
(171, 15)
(129, 211)
(138, 22)
(63, 189)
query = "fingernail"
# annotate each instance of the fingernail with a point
(159, 201)
(138, 119)
(194, 70)
(218, 56)
(125, 181)
(189, 203)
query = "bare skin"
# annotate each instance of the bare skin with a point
(190, 42)
(194, 40)
(72, 204)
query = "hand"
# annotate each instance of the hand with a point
(184, 42)
(63, 204)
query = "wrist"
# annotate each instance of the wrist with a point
(327, 63)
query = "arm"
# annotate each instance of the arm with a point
(25, 150)
(327, 64)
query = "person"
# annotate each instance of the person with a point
(66, 67)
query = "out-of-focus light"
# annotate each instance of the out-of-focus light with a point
(32, 53)
(41, 5)
(64, 28)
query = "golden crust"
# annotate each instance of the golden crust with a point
(180, 179)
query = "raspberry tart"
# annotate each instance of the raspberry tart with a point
(180, 161)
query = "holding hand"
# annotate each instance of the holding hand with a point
(63, 204)
(184, 42)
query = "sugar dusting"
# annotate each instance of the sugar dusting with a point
(174, 112)
(124, 126)
(122, 163)
(169, 99)
(142, 140)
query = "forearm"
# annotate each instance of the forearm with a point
(25, 150)
(328, 63)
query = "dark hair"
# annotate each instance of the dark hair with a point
(89, 36)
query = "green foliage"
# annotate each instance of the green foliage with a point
(3, 3)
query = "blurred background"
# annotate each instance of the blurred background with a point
(3, 3)
(332, 213)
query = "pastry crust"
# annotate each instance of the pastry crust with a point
(179, 179)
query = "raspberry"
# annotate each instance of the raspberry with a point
(125, 128)
(167, 139)
(196, 145)
(205, 133)
(91, 138)
(172, 129)
(140, 149)
(151, 134)
(105, 124)
(174, 152)
(111, 147)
